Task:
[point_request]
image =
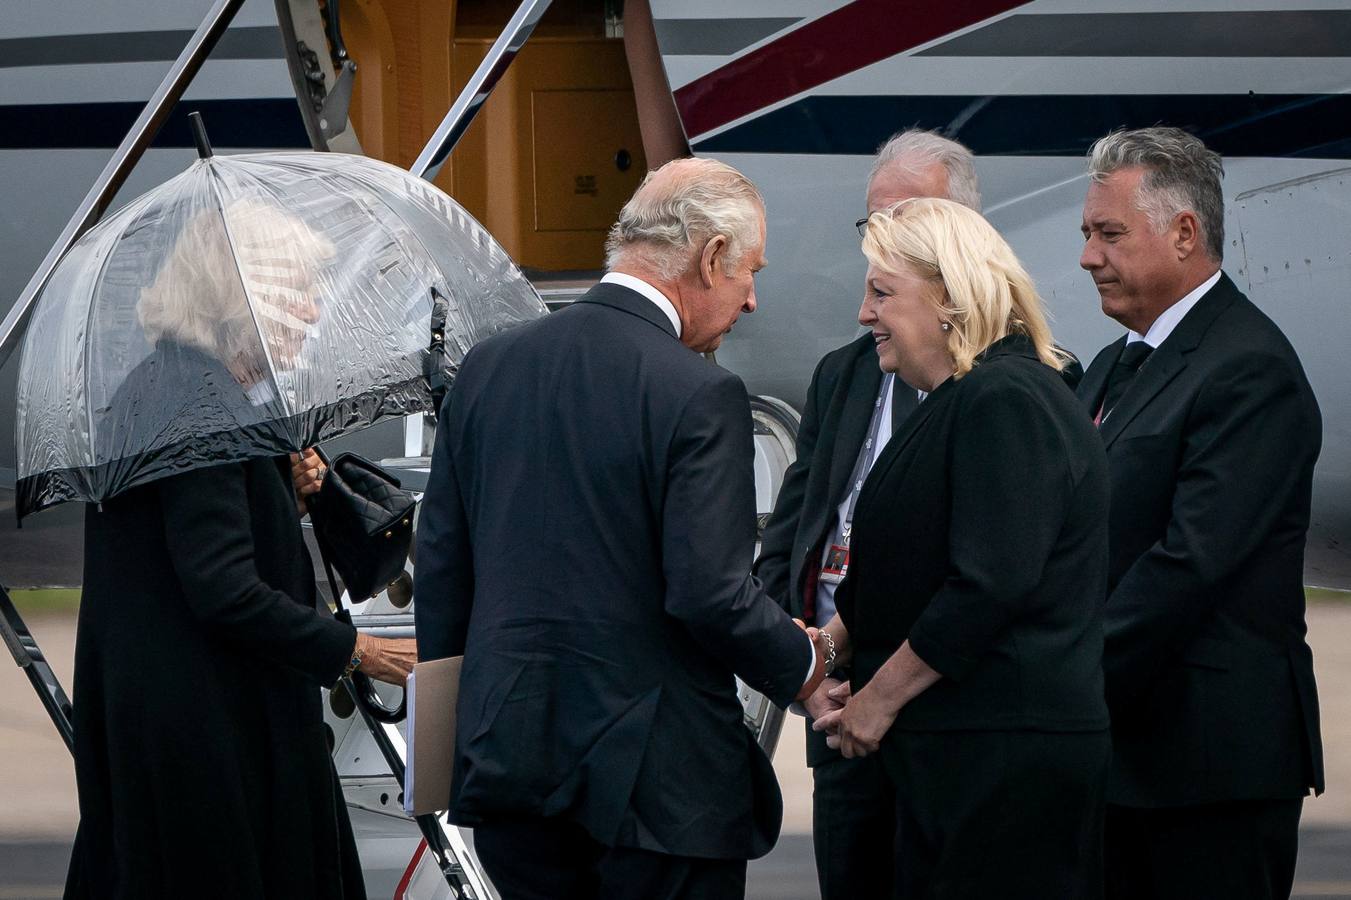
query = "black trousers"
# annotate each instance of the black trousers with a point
(1239, 850)
(853, 824)
(1016, 815)
(552, 859)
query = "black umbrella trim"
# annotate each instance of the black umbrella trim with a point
(276, 437)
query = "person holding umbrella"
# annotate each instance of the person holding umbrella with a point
(183, 352)
(200, 750)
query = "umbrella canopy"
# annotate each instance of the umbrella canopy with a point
(253, 305)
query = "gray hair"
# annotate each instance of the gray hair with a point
(916, 150)
(1181, 174)
(678, 208)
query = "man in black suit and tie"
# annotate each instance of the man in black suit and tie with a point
(1211, 432)
(851, 411)
(585, 542)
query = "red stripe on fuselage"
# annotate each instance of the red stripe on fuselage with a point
(836, 44)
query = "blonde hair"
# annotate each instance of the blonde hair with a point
(198, 297)
(988, 295)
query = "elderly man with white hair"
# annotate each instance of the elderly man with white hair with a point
(585, 543)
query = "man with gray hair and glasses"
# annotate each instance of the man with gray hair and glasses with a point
(585, 543)
(1212, 432)
(852, 409)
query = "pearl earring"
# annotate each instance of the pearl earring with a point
(946, 326)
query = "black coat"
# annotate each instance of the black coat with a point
(200, 753)
(586, 542)
(834, 425)
(979, 537)
(1211, 451)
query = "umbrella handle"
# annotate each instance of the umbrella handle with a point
(359, 685)
(375, 706)
(437, 362)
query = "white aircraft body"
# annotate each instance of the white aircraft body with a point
(798, 94)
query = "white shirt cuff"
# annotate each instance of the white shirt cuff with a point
(811, 668)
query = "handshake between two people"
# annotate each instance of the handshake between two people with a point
(855, 724)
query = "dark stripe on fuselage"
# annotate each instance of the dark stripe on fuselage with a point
(1263, 33)
(257, 42)
(714, 37)
(263, 123)
(842, 41)
(1305, 125)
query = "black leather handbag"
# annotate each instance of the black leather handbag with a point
(363, 521)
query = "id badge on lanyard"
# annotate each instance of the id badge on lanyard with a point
(836, 565)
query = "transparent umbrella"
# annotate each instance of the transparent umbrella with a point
(252, 305)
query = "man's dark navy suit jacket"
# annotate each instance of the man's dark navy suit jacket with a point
(585, 542)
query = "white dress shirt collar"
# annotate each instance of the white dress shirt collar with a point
(1173, 315)
(648, 291)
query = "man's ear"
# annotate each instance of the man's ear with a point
(712, 259)
(1187, 234)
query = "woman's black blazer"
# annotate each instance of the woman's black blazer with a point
(981, 537)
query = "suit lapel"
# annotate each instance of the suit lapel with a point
(906, 431)
(856, 412)
(1094, 385)
(1161, 367)
(1169, 359)
(904, 399)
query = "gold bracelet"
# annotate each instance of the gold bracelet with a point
(358, 654)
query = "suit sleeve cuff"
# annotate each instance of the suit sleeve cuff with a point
(339, 641)
(796, 708)
(938, 656)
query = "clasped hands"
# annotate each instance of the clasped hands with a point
(854, 725)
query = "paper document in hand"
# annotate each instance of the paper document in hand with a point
(433, 688)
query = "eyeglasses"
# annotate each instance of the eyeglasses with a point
(862, 226)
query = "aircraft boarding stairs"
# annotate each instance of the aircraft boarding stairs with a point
(408, 859)
(426, 858)
(421, 860)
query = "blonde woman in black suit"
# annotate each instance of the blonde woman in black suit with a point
(972, 609)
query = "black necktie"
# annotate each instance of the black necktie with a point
(1124, 372)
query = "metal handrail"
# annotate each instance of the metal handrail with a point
(438, 834)
(124, 159)
(481, 84)
(13, 630)
(29, 657)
